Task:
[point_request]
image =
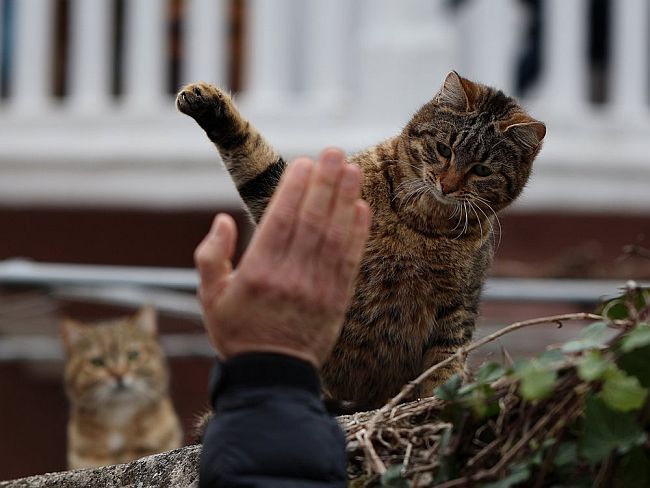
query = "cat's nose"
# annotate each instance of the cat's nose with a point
(450, 182)
(448, 187)
(117, 374)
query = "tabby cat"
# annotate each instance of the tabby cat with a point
(117, 381)
(434, 191)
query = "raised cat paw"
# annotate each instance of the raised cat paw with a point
(198, 99)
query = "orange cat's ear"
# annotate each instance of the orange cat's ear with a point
(147, 320)
(458, 93)
(71, 331)
(525, 131)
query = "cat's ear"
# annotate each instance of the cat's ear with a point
(525, 131)
(458, 93)
(147, 320)
(71, 331)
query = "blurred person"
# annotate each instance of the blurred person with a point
(273, 322)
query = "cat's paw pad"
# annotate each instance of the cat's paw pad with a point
(197, 98)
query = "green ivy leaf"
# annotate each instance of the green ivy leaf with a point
(479, 402)
(393, 477)
(592, 366)
(622, 392)
(567, 453)
(551, 357)
(637, 337)
(605, 429)
(518, 473)
(520, 365)
(642, 298)
(490, 372)
(633, 469)
(446, 470)
(592, 336)
(635, 363)
(616, 309)
(536, 382)
(449, 390)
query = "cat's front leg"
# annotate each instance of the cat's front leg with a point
(458, 326)
(252, 162)
(439, 377)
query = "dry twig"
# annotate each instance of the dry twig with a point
(376, 464)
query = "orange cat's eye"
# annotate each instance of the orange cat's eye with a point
(97, 361)
(133, 355)
(481, 170)
(444, 150)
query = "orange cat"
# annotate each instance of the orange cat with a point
(117, 381)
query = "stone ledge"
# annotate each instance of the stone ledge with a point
(178, 468)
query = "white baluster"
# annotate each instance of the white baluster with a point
(206, 41)
(401, 70)
(31, 79)
(145, 48)
(90, 62)
(489, 36)
(267, 78)
(629, 69)
(2, 32)
(326, 52)
(564, 79)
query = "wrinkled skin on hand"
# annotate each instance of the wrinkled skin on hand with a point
(293, 284)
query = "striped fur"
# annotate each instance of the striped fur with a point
(434, 191)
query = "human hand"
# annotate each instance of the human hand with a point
(293, 284)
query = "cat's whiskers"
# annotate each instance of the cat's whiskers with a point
(496, 217)
(460, 217)
(408, 182)
(414, 194)
(496, 144)
(464, 229)
(487, 219)
(480, 226)
(454, 212)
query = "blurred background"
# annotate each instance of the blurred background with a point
(100, 175)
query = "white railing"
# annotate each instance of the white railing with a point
(317, 73)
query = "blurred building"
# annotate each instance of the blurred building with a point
(96, 165)
(87, 119)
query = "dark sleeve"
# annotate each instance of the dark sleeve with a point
(270, 428)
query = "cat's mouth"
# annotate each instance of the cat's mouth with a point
(441, 197)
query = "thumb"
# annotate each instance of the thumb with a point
(213, 257)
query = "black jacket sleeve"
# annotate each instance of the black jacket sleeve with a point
(270, 428)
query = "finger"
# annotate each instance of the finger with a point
(317, 206)
(277, 225)
(354, 249)
(341, 221)
(213, 256)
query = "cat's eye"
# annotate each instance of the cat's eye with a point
(133, 355)
(97, 361)
(444, 150)
(481, 170)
